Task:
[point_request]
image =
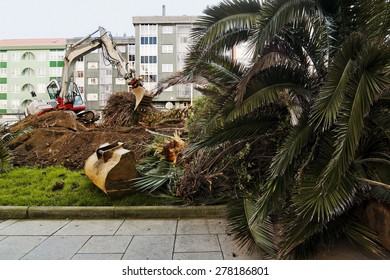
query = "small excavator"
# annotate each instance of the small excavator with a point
(65, 95)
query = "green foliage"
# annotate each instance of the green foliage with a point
(316, 91)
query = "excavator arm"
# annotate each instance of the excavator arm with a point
(83, 47)
(68, 92)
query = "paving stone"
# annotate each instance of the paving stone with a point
(6, 223)
(198, 256)
(201, 226)
(97, 257)
(33, 227)
(196, 243)
(231, 251)
(2, 237)
(90, 227)
(147, 227)
(20, 244)
(11, 256)
(57, 248)
(106, 244)
(150, 248)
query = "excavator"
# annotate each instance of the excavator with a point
(65, 95)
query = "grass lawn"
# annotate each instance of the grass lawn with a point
(30, 186)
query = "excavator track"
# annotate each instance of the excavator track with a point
(87, 117)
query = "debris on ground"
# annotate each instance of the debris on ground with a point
(57, 138)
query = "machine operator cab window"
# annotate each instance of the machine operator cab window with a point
(72, 95)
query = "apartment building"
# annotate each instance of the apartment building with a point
(157, 51)
(161, 47)
(26, 67)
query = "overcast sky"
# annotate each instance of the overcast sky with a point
(22, 19)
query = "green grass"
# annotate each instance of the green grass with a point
(31, 186)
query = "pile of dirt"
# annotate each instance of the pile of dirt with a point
(57, 138)
(55, 119)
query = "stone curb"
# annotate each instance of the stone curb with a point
(111, 212)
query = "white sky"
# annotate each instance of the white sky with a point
(23, 19)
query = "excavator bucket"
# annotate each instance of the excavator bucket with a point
(111, 168)
(143, 98)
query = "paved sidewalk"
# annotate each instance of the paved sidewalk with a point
(118, 239)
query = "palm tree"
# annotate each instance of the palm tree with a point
(318, 80)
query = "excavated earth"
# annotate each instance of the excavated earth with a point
(57, 138)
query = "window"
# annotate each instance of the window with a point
(15, 88)
(28, 72)
(148, 30)
(184, 91)
(132, 49)
(167, 29)
(3, 88)
(55, 71)
(183, 40)
(15, 72)
(121, 48)
(153, 59)
(92, 97)
(166, 68)
(41, 88)
(15, 56)
(3, 104)
(41, 56)
(57, 55)
(149, 59)
(144, 59)
(15, 104)
(28, 88)
(41, 72)
(3, 56)
(93, 65)
(167, 48)
(148, 40)
(3, 72)
(28, 56)
(93, 81)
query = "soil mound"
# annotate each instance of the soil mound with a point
(57, 138)
(54, 119)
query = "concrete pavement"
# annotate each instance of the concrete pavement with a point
(118, 239)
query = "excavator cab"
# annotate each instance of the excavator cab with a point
(73, 100)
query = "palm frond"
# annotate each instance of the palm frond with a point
(360, 96)
(332, 94)
(221, 24)
(238, 225)
(275, 15)
(266, 88)
(292, 147)
(262, 230)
